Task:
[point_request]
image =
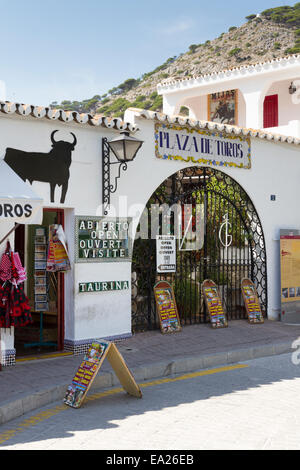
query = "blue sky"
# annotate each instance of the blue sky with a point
(53, 50)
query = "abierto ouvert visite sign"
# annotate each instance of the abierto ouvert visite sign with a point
(201, 146)
(102, 239)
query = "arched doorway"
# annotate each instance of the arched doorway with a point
(232, 247)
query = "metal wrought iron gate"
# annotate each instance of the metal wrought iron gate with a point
(233, 248)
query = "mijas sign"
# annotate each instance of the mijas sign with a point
(202, 147)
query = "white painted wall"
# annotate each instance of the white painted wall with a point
(87, 315)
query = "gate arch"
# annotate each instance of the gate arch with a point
(221, 199)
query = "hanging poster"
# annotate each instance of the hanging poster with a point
(57, 257)
(222, 107)
(166, 307)
(251, 302)
(214, 305)
(89, 367)
(290, 275)
(165, 254)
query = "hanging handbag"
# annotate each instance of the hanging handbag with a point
(20, 270)
(5, 264)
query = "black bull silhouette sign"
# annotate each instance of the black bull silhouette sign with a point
(51, 167)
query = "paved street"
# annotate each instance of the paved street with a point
(251, 405)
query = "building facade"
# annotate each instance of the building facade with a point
(233, 181)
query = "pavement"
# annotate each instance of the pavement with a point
(41, 380)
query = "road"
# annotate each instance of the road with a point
(251, 405)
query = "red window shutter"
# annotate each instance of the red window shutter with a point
(271, 111)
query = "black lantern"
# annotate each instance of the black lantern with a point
(125, 148)
(292, 88)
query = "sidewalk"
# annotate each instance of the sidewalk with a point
(32, 384)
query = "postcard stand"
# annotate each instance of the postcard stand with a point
(166, 307)
(251, 301)
(214, 305)
(89, 368)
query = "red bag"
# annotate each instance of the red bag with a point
(5, 265)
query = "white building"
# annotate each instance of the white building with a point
(241, 172)
(263, 97)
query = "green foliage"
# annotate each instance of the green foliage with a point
(287, 15)
(250, 17)
(232, 28)
(184, 111)
(235, 51)
(193, 48)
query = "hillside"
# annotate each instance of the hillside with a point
(273, 33)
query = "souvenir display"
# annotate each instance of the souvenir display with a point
(14, 304)
(41, 283)
(251, 302)
(89, 368)
(57, 257)
(214, 305)
(166, 308)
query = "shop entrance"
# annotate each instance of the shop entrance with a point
(232, 247)
(45, 290)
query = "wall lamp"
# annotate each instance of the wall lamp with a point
(292, 88)
(124, 147)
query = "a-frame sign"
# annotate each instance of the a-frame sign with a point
(214, 304)
(251, 302)
(89, 367)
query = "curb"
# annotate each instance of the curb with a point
(21, 406)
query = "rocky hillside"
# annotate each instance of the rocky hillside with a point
(272, 33)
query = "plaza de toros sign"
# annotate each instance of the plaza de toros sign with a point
(202, 147)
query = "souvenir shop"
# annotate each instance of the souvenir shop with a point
(89, 273)
(47, 266)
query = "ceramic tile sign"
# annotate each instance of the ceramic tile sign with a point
(214, 305)
(102, 239)
(89, 367)
(166, 308)
(251, 302)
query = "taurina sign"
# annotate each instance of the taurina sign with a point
(102, 239)
(202, 146)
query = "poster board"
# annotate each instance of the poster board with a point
(290, 275)
(166, 307)
(223, 107)
(89, 368)
(214, 305)
(251, 301)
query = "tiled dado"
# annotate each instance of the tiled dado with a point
(82, 346)
(8, 357)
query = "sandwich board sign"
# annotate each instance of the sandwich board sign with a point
(251, 302)
(166, 307)
(214, 305)
(89, 368)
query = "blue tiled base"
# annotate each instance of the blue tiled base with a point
(82, 346)
(8, 357)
